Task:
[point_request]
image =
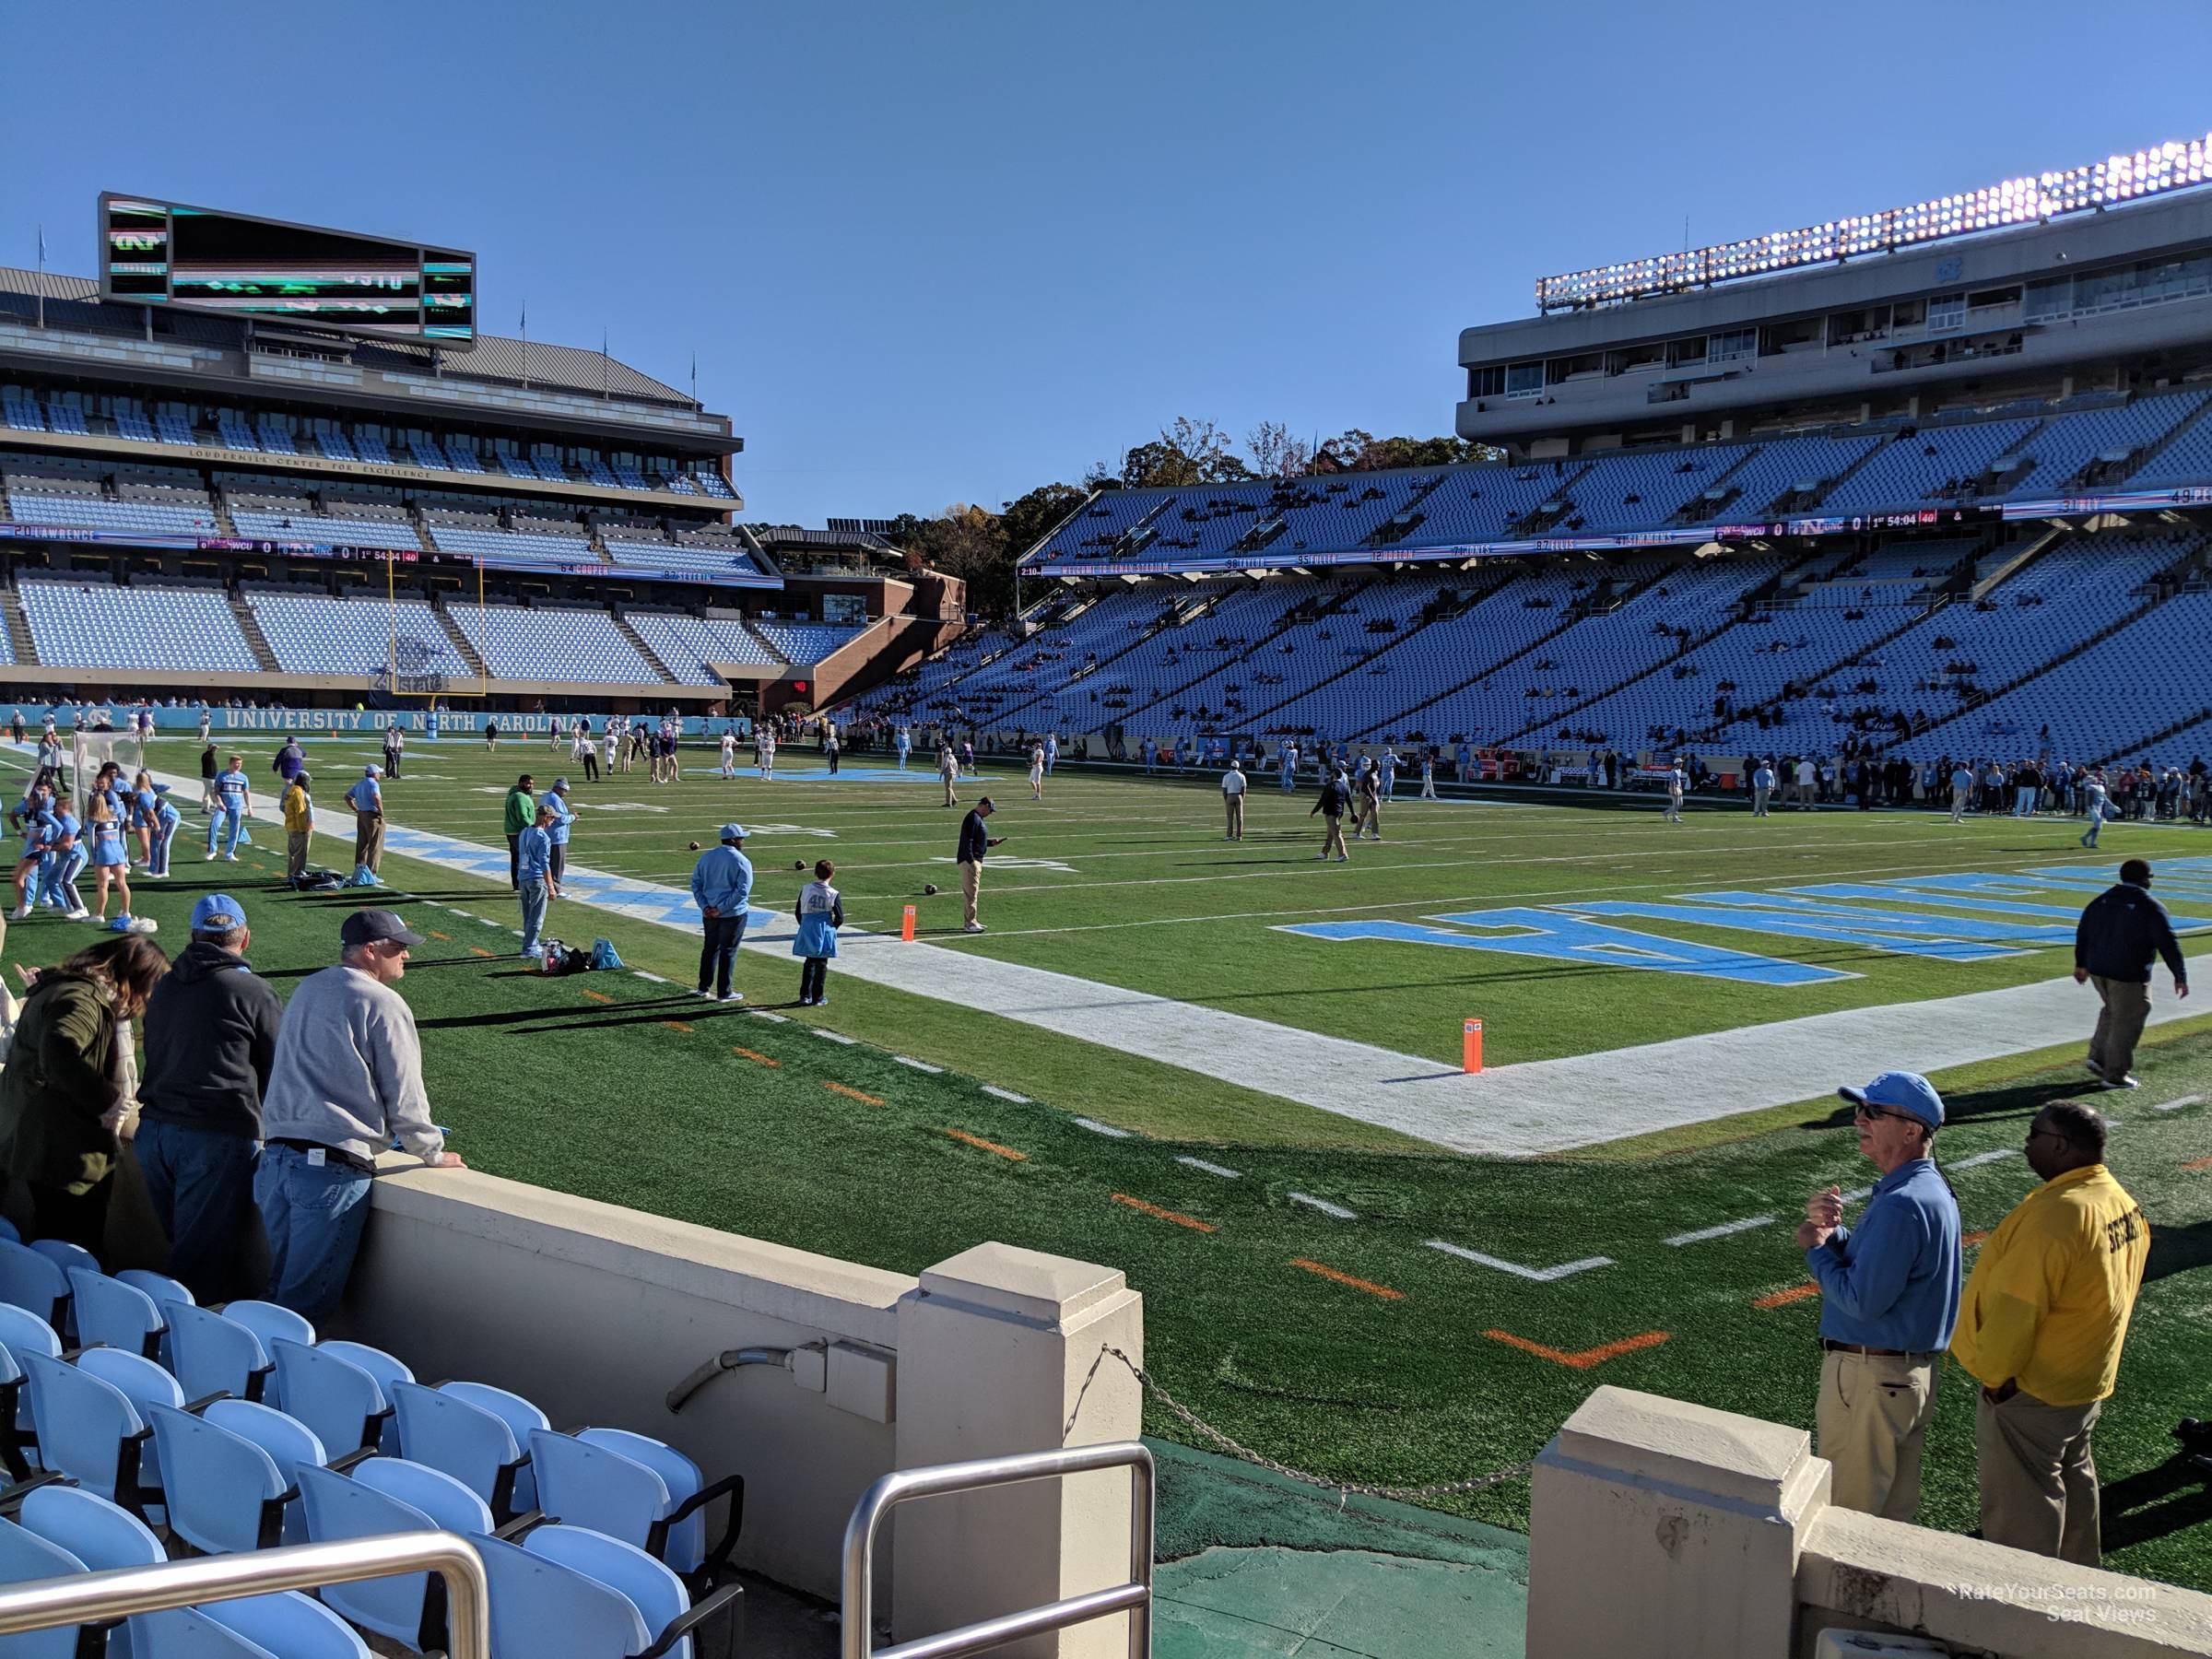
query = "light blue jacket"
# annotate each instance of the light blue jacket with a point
(722, 878)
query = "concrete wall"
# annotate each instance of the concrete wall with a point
(1672, 1531)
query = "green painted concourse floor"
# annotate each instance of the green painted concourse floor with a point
(1252, 1564)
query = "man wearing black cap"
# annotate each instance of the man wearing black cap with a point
(347, 1081)
(2118, 936)
(1889, 1299)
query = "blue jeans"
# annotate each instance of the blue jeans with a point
(201, 1184)
(313, 1214)
(534, 899)
(725, 934)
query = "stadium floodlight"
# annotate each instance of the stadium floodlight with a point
(2175, 165)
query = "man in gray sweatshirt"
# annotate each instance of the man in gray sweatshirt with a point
(346, 1083)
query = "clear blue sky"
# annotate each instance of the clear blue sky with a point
(946, 250)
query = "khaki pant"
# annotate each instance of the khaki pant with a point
(1235, 803)
(1761, 793)
(295, 851)
(1332, 844)
(971, 888)
(949, 800)
(2119, 1026)
(1872, 1415)
(2039, 1477)
(1960, 799)
(368, 839)
(1370, 822)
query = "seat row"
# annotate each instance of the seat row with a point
(236, 1430)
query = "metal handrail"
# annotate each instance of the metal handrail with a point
(902, 1486)
(98, 1597)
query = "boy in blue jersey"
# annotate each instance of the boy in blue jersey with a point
(233, 800)
(158, 822)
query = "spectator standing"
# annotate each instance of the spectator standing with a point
(1889, 1299)
(948, 769)
(587, 751)
(1331, 804)
(1762, 789)
(518, 815)
(723, 884)
(299, 826)
(367, 799)
(539, 883)
(1232, 798)
(974, 844)
(2123, 930)
(555, 800)
(2044, 1317)
(1428, 773)
(832, 745)
(65, 1097)
(344, 1083)
(210, 1040)
(819, 911)
(395, 744)
(1367, 802)
(2095, 800)
(291, 760)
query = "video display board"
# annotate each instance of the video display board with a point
(166, 253)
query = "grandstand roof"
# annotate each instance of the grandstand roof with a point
(495, 358)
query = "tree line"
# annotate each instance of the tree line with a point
(981, 546)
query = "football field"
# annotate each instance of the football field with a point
(1339, 1293)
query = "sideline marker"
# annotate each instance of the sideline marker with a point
(1470, 1045)
(906, 926)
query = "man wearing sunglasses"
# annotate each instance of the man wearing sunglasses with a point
(2120, 935)
(1890, 1290)
(2044, 1317)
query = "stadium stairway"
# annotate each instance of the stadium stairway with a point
(459, 637)
(652, 659)
(250, 625)
(1397, 722)
(19, 627)
(1682, 649)
(762, 641)
(1826, 487)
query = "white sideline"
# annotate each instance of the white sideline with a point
(1510, 1111)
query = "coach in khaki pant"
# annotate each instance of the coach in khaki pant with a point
(1232, 798)
(974, 844)
(2044, 1317)
(1889, 1289)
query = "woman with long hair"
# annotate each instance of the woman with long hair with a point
(65, 1094)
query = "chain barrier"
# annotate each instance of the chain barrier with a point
(1176, 1408)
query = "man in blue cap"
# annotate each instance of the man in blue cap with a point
(210, 1044)
(1889, 1289)
(723, 883)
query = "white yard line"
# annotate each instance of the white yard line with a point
(1106, 1129)
(1324, 1205)
(1210, 1169)
(1542, 1275)
(1723, 1230)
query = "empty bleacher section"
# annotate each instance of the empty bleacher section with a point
(70, 492)
(552, 642)
(688, 644)
(104, 625)
(314, 633)
(805, 642)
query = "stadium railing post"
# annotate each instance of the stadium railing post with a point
(999, 1352)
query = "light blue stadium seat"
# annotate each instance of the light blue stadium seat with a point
(386, 1495)
(159, 1286)
(89, 1430)
(285, 1626)
(468, 1440)
(539, 1607)
(657, 1594)
(145, 1385)
(291, 1444)
(102, 1535)
(641, 1491)
(24, 1556)
(214, 1355)
(342, 1403)
(268, 1321)
(225, 1493)
(115, 1314)
(32, 1280)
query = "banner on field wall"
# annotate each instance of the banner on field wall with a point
(451, 722)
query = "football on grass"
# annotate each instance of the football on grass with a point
(691, 846)
(929, 889)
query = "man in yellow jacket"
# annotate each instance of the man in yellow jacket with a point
(2044, 1315)
(299, 826)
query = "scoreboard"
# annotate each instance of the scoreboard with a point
(165, 253)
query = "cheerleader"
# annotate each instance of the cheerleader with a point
(111, 861)
(820, 911)
(158, 822)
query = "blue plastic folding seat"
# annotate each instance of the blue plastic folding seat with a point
(331, 1394)
(113, 1314)
(30, 1278)
(164, 1290)
(24, 1556)
(641, 1491)
(457, 1430)
(284, 1626)
(647, 1584)
(214, 1355)
(268, 1321)
(386, 1495)
(539, 1607)
(102, 1535)
(225, 1493)
(65, 1255)
(88, 1429)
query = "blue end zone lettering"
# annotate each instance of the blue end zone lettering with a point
(1896, 922)
(1561, 938)
(1810, 925)
(1905, 895)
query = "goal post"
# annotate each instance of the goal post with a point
(88, 751)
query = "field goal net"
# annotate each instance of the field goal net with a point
(413, 670)
(427, 643)
(88, 751)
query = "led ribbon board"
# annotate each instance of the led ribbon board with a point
(2097, 184)
(164, 254)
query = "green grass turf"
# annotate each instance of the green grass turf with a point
(542, 1083)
